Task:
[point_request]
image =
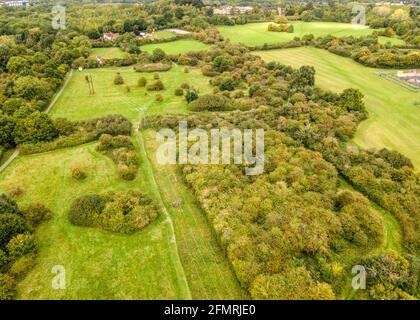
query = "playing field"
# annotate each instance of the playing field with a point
(393, 118)
(77, 103)
(254, 34)
(176, 47)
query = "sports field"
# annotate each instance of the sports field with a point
(393, 116)
(254, 34)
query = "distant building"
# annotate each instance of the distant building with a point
(16, 3)
(410, 76)
(229, 10)
(142, 34)
(225, 11)
(110, 36)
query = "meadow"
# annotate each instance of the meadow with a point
(98, 264)
(177, 257)
(393, 115)
(176, 47)
(76, 103)
(254, 34)
(108, 53)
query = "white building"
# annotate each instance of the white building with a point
(16, 3)
(229, 10)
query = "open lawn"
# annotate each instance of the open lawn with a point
(176, 47)
(76, 103)
(107, 53)
(393, 118)
(99, 264)
(254, 34)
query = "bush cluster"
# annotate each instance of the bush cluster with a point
(115, 211)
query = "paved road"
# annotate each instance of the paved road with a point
(16, 152)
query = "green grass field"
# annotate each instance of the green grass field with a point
(254, 34)
(99, 264)
(176, 47)
(393, 118)
(76, 103)
(108, 53)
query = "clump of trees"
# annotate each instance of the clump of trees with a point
(122, 212)
(17, 244)
(121, 150)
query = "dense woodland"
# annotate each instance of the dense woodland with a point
(286, 232)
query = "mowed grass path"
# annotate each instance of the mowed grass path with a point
(253, 34)
(76, 103)
(393, 118)
(99, 264)
(207, 270)
(176, 47)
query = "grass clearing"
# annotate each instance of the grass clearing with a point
(253, 34)
(108, 53)
(99, 264)
(393, 116)
(393, 41)
(176, 47)
(77, 104)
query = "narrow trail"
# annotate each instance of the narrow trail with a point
(154, 185)
(51, 105)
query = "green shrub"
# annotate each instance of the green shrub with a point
(3, 260)
(156, 86)
(179, 92)
(36, 214)
(211, 102)
(142, 82)
(127, 173)
(156, 76)
(78, 172)
(191, 95)
(159, 97)
(85, 210)
(115, 211)
(185, 86)
(7, 287)
(118, 79)
(20, 245)
(11, 225)
(108, 142)
(153, 67)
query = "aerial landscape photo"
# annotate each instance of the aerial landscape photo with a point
(209, 150)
